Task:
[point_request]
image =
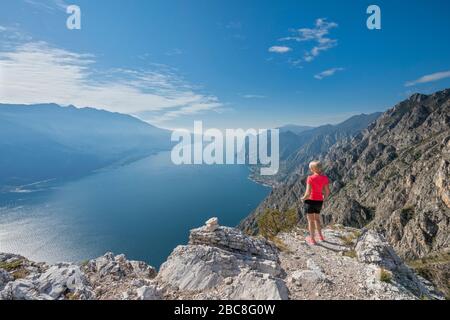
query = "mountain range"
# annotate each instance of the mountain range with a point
(47, 141)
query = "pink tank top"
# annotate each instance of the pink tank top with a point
(317, 182)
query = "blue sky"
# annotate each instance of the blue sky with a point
(255, 64)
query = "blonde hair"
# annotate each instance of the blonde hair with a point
(316, 166)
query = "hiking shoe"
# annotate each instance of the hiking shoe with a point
(311, 241)
(321, 238)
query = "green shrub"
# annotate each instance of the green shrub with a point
(11, 266)
(349, 253)
(20, 274)
(385, 276)
(350, 239)
(280, 244)
(272, 222)
(406, 215)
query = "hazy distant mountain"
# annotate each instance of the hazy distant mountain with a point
(294, 128)
(46, 141)
(297, 150)
(319, 140)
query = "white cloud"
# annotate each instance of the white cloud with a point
(279, 49)
(48, 5)
(39, 73)
(253, 96)
(10, 35)
(234, 25)
(327, 73)
(174, 52)
(318, 34)
(429, 78)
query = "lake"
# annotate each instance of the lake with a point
(143, 209)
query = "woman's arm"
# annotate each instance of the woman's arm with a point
(307, 192)
(326, 192)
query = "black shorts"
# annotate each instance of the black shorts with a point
(312, 206)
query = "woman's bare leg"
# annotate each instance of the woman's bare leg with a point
(318, 224)
(311, 226)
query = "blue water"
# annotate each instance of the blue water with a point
(144, 209)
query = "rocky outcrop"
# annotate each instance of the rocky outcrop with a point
(223, 263)
(373, 249)
(348, 265)
(224, 258)
(60, 281)
(115, 277)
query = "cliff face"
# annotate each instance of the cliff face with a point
(395, 176)
(223, 263)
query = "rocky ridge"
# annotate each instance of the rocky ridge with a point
(223, 263)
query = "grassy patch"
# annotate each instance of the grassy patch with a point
(272, 222)
(385, 276)
(347, 240)
(84, 263)
(11, 266)
(350, 238)
(72, 296)
(357, 234)
(436, 269)
(435, 259)
(20, 274)
(336, 227)
(279, 244)
(350, 254)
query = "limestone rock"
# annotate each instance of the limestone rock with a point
(148, 293)
(254, 286)
(5, 277)
(233, 240)
(119, 267)
(212, 224)
(224, 262)
(22, 290)
(64, 279)
(372, 248)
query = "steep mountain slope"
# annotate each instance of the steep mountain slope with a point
(39, 142)
(394, 177)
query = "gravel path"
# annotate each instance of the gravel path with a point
(325, 272)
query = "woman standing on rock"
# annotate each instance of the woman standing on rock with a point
(317, 190)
